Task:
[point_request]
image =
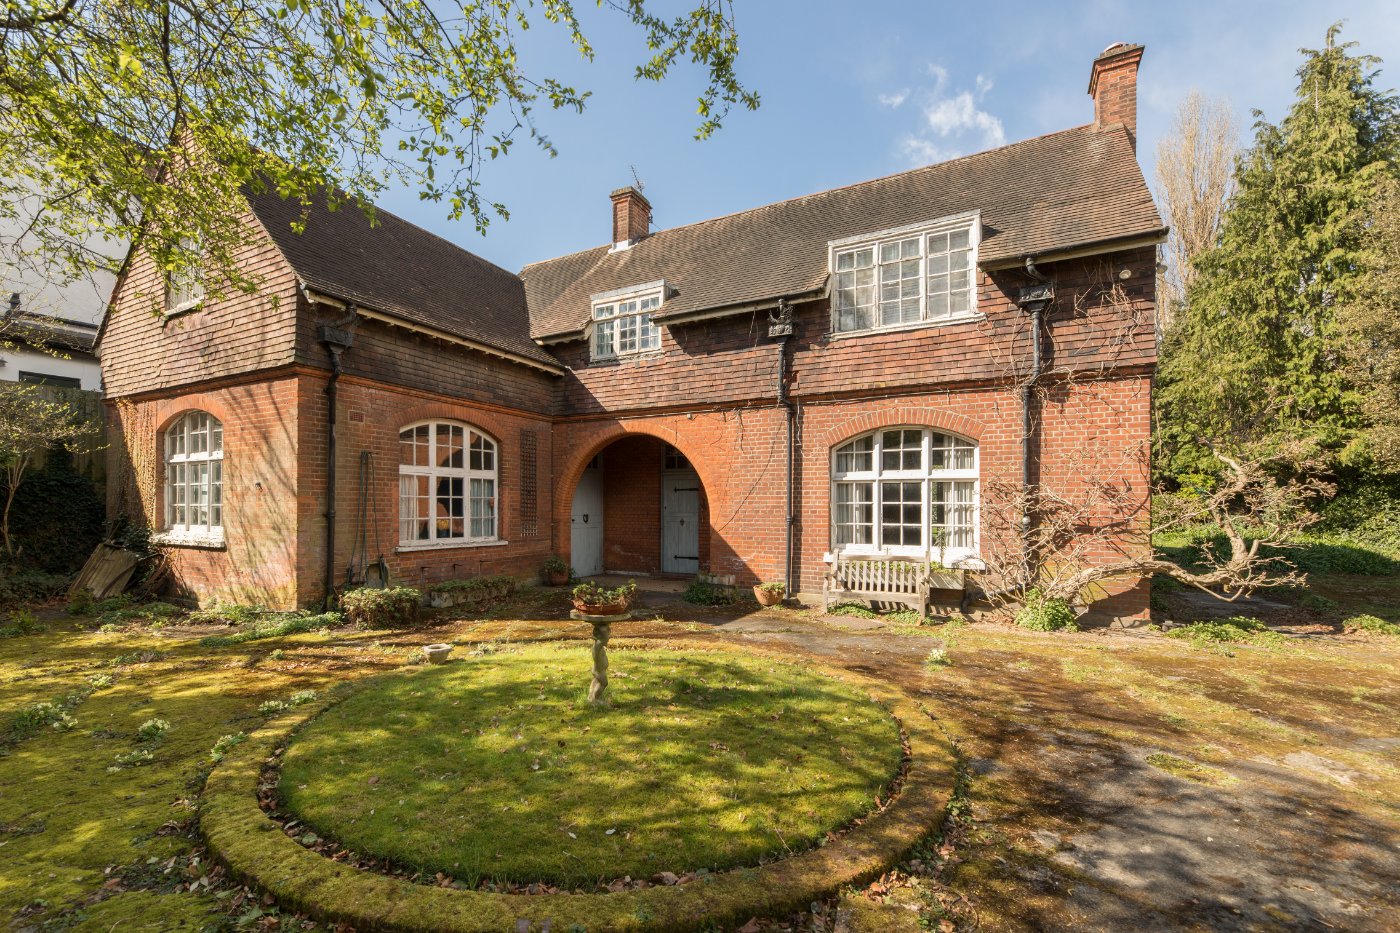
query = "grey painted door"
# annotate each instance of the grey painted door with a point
(680, 522)
(586, 523)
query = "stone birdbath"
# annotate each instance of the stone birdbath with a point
(600, 608)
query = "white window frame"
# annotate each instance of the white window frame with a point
(436, 473)
(970, 221)
(622, 308)
(927, 475)
(184, 292)
(181, 458)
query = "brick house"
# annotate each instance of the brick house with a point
(842, 373)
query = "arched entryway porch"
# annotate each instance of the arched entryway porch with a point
(638, 507)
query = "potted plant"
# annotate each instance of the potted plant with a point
(770, 594)
(590, 599)
(555, 571)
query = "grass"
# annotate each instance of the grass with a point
(1236, 630)
(1189, 770)
(1372, 624)
(497, 769)
(277, 627)
(68, 826)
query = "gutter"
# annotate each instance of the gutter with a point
(1093, 248)
(396, 321)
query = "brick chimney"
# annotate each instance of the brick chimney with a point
(1113, 85)
(631, 217)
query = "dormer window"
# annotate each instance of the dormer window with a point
(184, 290)
(909, 277)
(622, 324)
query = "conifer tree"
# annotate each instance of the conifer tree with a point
(1257, 356)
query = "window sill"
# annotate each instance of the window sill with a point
(181, 310)
(626, 358)
(447, 545)
(970, 563)
(905, 328)
(205, 540)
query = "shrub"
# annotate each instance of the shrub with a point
(226, 744)
(390, 608)
(219, 614)
(273, 707)
(555, 565)
(35, 717)
(706, 593)
(1373, 624)
(290, 623)
(57, 516)
(23, 623)
(1236, 630)
(132, 759)
(152, 730)
(27, 585)
(1040, 614)
(773, 587)
(151, 614)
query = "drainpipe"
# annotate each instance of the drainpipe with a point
(1034, 301)
(780, 326)
(336, 338)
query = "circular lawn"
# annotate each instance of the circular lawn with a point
(497, 769)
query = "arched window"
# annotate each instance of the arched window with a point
(194, 475)
(905, 492)
(447, 484)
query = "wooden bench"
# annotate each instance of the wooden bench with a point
(904, 582)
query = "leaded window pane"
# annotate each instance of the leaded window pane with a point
(857, 456)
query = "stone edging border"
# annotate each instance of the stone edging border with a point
(255, 849)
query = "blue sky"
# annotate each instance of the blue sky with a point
(853, 91)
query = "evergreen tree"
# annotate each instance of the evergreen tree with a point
(1257, 357)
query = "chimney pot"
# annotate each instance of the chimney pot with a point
(1113, 86)
(631, 216)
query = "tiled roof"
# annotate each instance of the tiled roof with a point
(400, 269)
(1069, 189)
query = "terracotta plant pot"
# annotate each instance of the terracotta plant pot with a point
(559, 578)
(601, 609)
(437, 654)
(768, 597)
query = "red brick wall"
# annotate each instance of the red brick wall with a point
(258, 563)
(1098, 429)
(632, 505)
(370, 417)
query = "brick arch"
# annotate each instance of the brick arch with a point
(444, 411)
(577, 461)
(912, 415)
(170, 410)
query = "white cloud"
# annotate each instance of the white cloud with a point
(893, 99)
(951, 123)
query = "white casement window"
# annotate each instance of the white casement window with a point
(194, 477)
(447, 485)
(925, 274)
(184, 291)
(622, 324)
(905, 492)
